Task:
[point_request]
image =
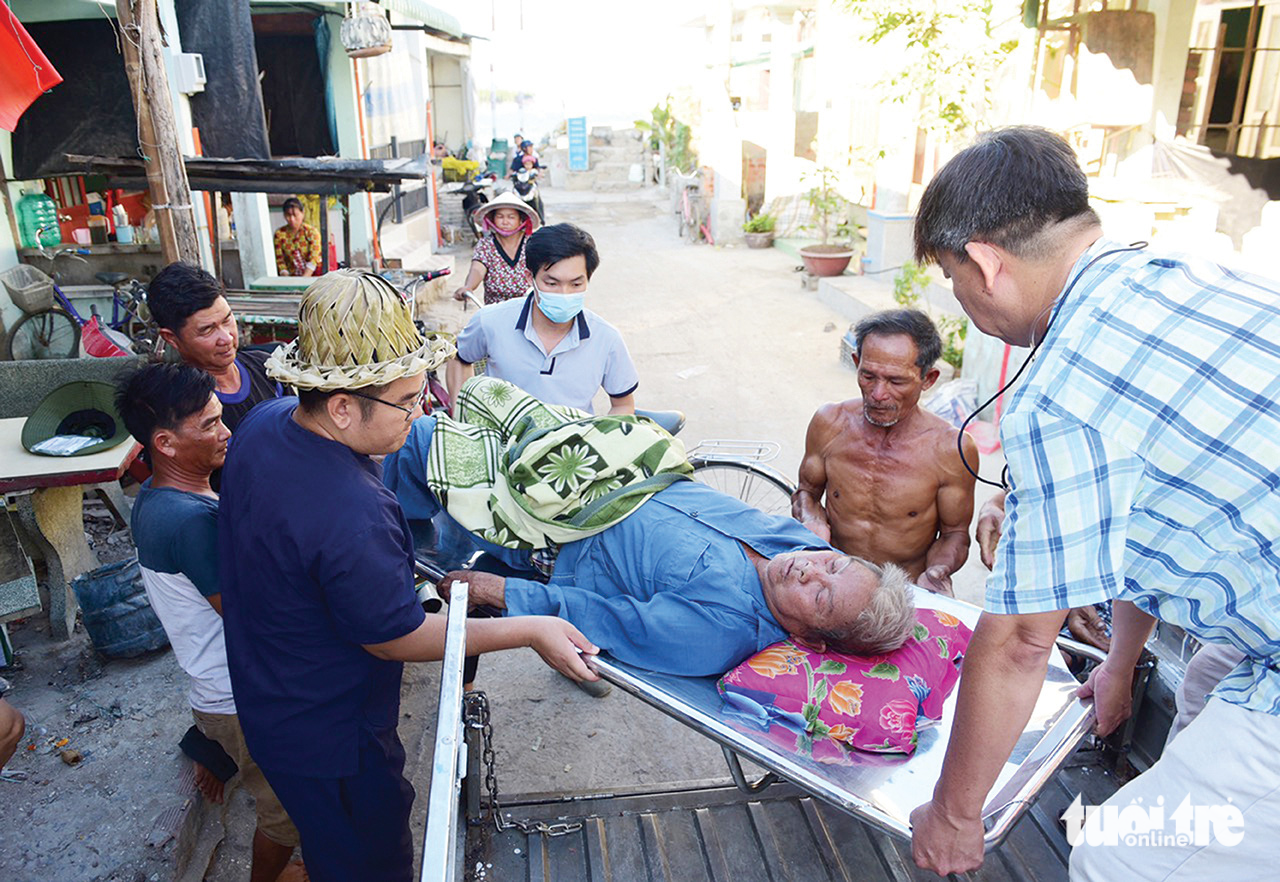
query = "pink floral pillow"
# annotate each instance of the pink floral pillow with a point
(873, 704)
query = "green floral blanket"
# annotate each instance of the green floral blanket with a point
(523, 474)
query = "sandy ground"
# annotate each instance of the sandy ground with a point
(726, 335)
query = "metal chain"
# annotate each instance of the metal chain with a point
(475, 715)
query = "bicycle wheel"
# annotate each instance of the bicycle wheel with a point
(758, 486)
(48, 334)
(693, 226)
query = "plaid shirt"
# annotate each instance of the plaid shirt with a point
(1144, 456)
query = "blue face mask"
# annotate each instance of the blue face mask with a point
(559, 307)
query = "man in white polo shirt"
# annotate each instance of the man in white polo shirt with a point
(547, 343)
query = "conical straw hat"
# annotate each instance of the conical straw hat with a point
(508, 200)
(355, 329)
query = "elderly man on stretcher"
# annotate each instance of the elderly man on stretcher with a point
(660, 571)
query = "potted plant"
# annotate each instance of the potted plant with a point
(827, 258)
(758, 231)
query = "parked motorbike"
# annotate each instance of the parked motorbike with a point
(475, 194)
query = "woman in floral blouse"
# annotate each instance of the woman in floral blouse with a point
(498, 260)
(297, 244)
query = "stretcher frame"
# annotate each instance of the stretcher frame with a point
(881, 789)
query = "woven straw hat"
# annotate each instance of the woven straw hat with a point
(355, 329)
(507, 200)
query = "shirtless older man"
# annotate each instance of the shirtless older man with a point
(896, 491)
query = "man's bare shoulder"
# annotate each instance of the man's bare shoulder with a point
(836, 416)
(942, 440)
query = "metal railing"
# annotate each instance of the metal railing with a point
(440, 852)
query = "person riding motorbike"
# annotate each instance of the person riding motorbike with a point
(523, 149)
(525, 184)
(498, 260)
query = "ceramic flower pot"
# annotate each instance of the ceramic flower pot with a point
(826, 260)
(759, 240)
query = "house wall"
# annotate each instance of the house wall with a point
(342, 82)
(1174, 20)
(8, 247)
(448, 100)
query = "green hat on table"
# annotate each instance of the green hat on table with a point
(85, 409)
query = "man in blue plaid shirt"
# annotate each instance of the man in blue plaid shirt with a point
(1144, 462)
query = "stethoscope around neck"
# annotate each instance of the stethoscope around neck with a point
(1003, 483)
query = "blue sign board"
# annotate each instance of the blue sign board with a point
(578, 143)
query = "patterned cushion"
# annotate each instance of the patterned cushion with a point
(873, 704)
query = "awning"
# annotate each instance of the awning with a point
(25, 73)
(435, 19)
(328, 176)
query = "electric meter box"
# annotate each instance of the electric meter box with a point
(188, 72)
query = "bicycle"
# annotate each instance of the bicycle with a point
(738, 469)
(51, 326)
(434, 394)
(690, 211)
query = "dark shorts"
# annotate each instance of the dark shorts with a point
(355, 827)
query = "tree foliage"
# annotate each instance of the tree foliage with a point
(827, 204)
(665, 129)
(908, 291)
(951, 55)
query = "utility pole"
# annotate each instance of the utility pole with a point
(157, 132)
(493, 86)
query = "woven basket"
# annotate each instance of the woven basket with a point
(29, 289)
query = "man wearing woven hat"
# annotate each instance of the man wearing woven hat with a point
(318, 580)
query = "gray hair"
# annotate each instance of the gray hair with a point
(884, 625)
(908, 322)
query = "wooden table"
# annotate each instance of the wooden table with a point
(44, 498)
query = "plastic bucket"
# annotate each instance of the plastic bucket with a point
(116, 613)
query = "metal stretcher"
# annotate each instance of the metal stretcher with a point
(879, 789)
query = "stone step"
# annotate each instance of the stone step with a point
(616, 186)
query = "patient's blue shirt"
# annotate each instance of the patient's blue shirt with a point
(670, 588)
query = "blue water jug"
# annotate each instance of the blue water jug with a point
(38, 221)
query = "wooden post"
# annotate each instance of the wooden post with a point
(8, 206)
(157, 133)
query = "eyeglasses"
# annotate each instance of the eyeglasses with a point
(408, 411)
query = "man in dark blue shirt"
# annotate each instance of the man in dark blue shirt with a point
(317, 580)
(195, 319)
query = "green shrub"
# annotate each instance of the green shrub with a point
(761, 223)
(908, 287)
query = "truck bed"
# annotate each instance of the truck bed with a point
(719, 833)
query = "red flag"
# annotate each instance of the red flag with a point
(25, 73)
